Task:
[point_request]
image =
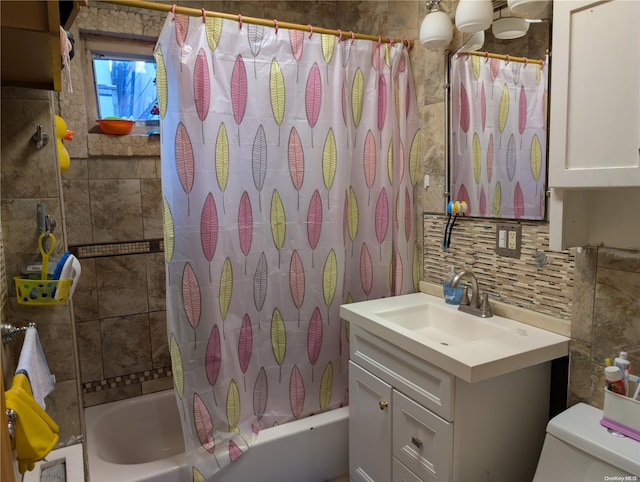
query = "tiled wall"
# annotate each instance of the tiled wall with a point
(540, 280)
(30, 177)
(605, 318)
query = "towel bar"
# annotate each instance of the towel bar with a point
(9, 332)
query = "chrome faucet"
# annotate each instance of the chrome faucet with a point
(478, 305)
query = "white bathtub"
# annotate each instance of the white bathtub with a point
(140, 439)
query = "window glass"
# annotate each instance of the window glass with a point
(126, 87)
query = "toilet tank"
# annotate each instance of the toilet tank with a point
(578, 449)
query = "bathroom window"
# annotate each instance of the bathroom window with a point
(125, 87)
(123, 78)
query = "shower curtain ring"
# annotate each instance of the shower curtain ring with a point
(240, 21)
(310, 30)
(339, 35)
(275, 24)
(379, 41)
(526, 61)
(204, 16)
(486, 56)
(173, 11)
(353, 36)
(508, 58)
(391, 41)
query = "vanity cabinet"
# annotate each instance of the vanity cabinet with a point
(412, 421)
(594, 131)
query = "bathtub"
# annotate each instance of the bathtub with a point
(140, 439)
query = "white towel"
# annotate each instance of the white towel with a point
(34, 365)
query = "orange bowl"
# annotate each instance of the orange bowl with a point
(116, 127)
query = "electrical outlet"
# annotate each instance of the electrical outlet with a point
(508, 239)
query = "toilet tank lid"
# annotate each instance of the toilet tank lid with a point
(580, 426)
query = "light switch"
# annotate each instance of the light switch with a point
(502, 238)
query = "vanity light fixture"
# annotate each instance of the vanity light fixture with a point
(475, 42)
(474, 15)
(508, 28)
(436, 29)
(526, 7)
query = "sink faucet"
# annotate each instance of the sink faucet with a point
(478, 305)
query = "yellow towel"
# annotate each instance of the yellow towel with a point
(36, 433)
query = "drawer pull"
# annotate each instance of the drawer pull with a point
(417, 442)
(383, 405)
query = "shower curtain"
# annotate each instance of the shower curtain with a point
(289, 164)
(498, 136)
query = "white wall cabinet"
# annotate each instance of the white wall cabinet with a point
(595, 96)
(594, 131)
(411, 421)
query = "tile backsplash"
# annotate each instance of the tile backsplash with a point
(540, 280)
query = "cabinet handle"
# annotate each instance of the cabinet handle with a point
(417, 442)
(383, 405)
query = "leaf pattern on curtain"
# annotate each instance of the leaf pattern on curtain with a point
(161, 81)
(328, 203)
(213, 358)
(499, 174)
(314, 338)
(239, 92)
(296, 392)
(326, 387)
(313, 97)
(329, 162)
(204, 424)
(201, 87)
(191, 297)
(184, 159)
(209, 229)
(255, 34)
(245, 345)
(259, 161)
(297, 281)
(168, 231)
(213, 29)
(260, 282)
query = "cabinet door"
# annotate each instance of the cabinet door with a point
(369, 427)
(595, 94)
(422, 441)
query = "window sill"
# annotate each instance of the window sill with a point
(136, 143)
(136, 131)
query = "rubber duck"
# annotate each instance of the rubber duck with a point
(63, 133)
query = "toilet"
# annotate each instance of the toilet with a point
(578, 449)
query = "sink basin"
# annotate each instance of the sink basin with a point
(467, 346)
(442, 324)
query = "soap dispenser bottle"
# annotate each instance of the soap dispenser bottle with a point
(451, 294)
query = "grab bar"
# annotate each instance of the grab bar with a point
(9, 332)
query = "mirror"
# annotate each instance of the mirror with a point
(497, 136)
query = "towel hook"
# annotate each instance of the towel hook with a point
(41, 138)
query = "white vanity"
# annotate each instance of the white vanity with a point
(437, 394)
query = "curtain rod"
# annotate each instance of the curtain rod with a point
(509, 58)
(253, 20)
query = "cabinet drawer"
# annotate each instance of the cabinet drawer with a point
(422, 441)
(425, 383)
(403, 474)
